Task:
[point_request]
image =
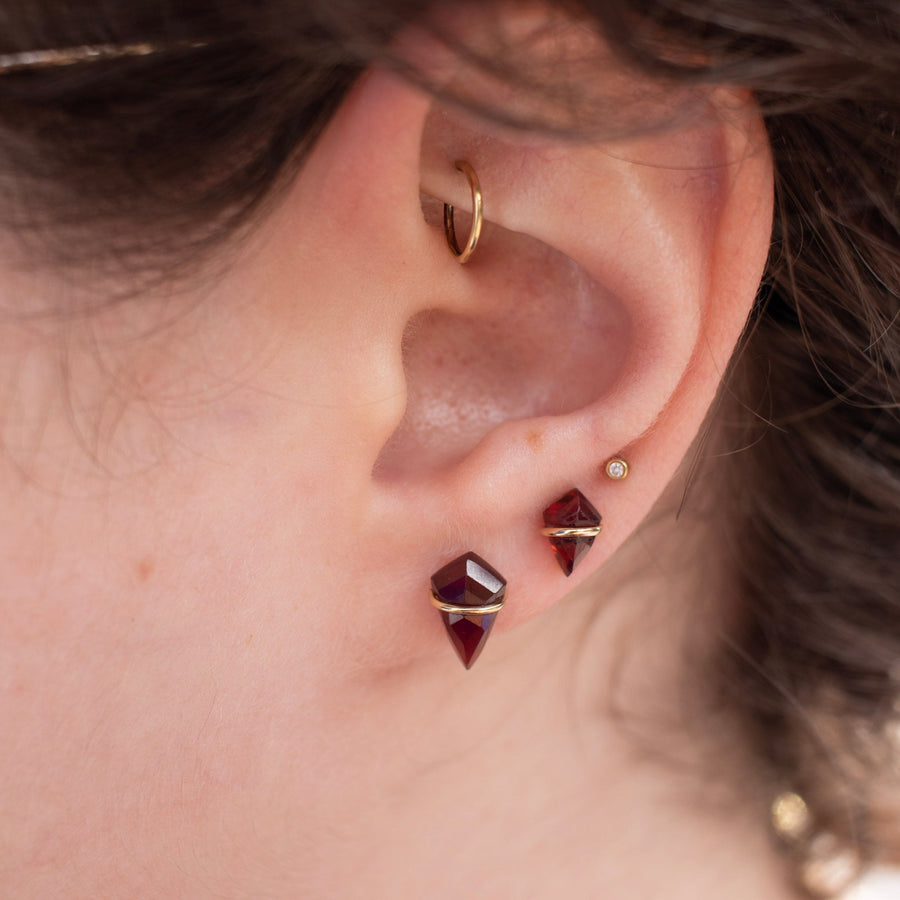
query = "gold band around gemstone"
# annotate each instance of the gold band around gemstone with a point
(463, 255)
(437, 603)
(587, 531)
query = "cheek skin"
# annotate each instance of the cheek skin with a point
(164, 621)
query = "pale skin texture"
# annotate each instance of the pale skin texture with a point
(221, 676)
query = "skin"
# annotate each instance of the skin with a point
(221, 676)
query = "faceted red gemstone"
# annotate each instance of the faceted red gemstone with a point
(573, 510)
(468, 581)
(468, 634)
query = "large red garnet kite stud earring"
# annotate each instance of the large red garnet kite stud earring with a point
(469, 593)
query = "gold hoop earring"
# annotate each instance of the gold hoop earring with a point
(465, 254)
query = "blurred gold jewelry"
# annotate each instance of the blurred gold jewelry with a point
(829, 867)
(791, 818)
(464, 255)
(825, 867)
(27, 60)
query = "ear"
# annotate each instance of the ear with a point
(597, 316)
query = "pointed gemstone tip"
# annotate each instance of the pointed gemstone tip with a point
(572, 510)
(468, 634)
(570, 551)
(468, 582)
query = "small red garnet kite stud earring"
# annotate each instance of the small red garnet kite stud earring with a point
(469, 593)
(571, 523)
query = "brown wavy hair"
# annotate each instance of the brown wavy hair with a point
(190, 142)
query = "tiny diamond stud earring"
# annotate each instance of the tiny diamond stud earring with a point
(616, 468)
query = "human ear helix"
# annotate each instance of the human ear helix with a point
(465, 254)
(468, 593)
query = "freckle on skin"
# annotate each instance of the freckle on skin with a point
(534, 438)
(145, 568)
